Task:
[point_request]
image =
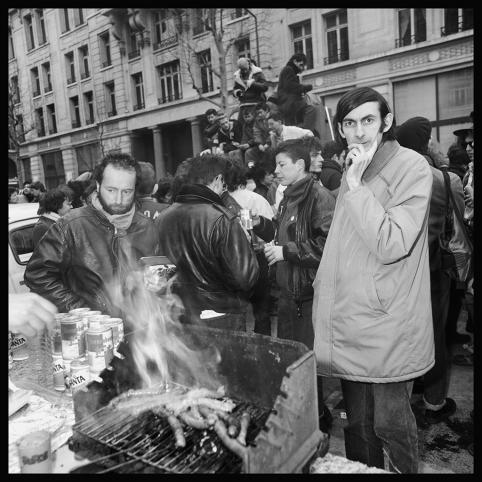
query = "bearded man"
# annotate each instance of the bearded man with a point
(95, 245)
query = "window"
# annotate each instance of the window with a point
(46, 77)
(84, 62)
(51, 119)
(27, 21)
(14, 89)
(11, 52)
(138, 91)
(40, 124)
(336, 37)
(457, 20)
(200, 20)
(42, 35)
(243, 48)
(35, 81)
(27, 170)
(70, 67)
(134, 48)
(53, 169)
(170, 81)
(238, 12)
(104, 41)
(74, 111)
(204, 60)
(89, 107)
(110, 99)
(456, 93)
(78, 17)
(87, 156)
(64, 20)
(160, 26)
(302, 42)
(412, 26)
(20, 130)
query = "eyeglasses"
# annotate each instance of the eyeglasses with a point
(471, 144)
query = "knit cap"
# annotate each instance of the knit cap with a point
(414, 134)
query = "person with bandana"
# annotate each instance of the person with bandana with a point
(95, 246)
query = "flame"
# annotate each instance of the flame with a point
(159, 345)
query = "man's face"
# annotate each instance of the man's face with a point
(316, 161)
(363, 125)
(300, 64)
(469, 140)
(211, 118)
(65, 208)
(268, 178)
(116, 192)
(261, 114)
(275, 126)
(287, 171)
(35, 192)
(248, 117)
(224, 123)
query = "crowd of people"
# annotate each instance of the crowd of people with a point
(344, 246)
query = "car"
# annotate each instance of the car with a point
(22, 218)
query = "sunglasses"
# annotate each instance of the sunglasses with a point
(470, 143)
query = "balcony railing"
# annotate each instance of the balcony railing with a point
(340, 56)
(112, 113)
(134, 54)
(106, 63)
(85, 75)
(460, 27)
(169, 98)
(48, 88)
(165, 43)
(413, 39)
(139, 106)
(75, 124)
(36, 93)
(70, 80)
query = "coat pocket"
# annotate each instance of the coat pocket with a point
(373, 295)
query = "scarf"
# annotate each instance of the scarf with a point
(120, 221)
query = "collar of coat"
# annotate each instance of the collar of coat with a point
(51, 215)
(385, 152)
(252, 71)
(197, 193)
(295, 193)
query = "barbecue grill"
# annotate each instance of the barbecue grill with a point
(272, 379)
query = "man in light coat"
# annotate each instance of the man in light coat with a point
(371, 310)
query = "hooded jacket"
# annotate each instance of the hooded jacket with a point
(255, 92)
(216, 265)
(372, 314)
(81, 253)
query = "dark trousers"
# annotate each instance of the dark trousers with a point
(301, 114)
(380, 420)
(261, 298)
(436, 380)
(455, 305)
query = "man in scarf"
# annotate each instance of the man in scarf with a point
(95, 246)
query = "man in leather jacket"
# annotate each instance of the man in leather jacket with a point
(216, 265)
(303, 221)
(94, 247)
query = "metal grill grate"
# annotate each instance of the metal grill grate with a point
(148, 440)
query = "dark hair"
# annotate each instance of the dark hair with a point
(299, 56)
(313, 143)
(118, 160)
(210, 112)
(261, 169)
(276, 116)
(164, 189)
(262, 106)
(89, 189)
(38, 185)
(235, 176)
(295, 149)
(353, 99)
(458, 156)
(53, 200)
(331, 148)
(77, 188)
(147, 179)
(203, 169)
(27, 182)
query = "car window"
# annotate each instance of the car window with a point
(21, 241)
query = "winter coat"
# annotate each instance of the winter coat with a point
(372, 314)
(216, 265)
(330, 175)
(150, 207)
(41, 227)
(255, 92)
(227, 138)
(290, 88)
(81, 253)
(303, 221)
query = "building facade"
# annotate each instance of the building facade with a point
(87, 81)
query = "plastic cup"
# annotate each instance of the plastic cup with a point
(35, 453)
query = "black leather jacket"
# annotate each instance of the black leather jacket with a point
(216, 265)
(82, 252)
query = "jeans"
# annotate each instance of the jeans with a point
(380, 420)
(436, 380)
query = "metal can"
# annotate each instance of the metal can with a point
(246, 220)
(73, 337)
(100, 319)
(56, 337)
(87, 315)
(79, 374)
(79, 311)
(117, 326)
(99, 347)
(19, 347)
(67, 377)
(58, 372)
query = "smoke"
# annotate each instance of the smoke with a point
(161, 346)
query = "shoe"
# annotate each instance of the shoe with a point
(459, 338)
(326, 420)
(437, 416)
